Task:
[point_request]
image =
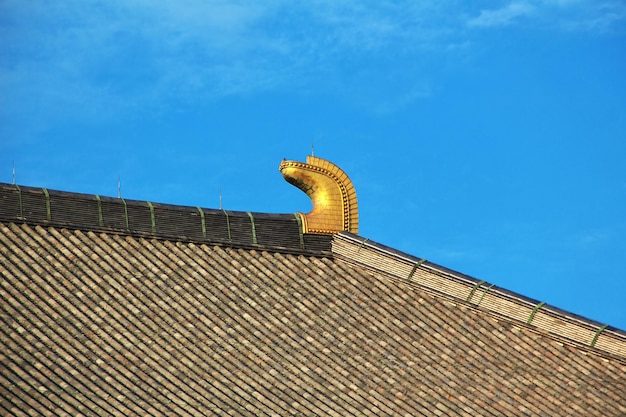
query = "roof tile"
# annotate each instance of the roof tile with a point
(101, 321)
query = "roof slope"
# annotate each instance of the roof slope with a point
(103, 322)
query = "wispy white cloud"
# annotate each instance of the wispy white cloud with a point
(135, 53)
(502, 16)
(561, 15)
(102, 59)
(601, 18)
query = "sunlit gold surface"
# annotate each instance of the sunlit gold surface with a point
(333, 196)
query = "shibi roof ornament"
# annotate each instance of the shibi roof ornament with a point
(333, 196)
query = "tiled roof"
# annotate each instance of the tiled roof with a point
(100, 320)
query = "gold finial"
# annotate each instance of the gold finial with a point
(333, 196)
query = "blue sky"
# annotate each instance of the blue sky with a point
(486, 136)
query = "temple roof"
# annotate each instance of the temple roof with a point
(122, 307)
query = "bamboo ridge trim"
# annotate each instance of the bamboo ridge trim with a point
(354, 249)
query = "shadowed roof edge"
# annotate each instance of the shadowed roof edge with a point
(276, 232)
